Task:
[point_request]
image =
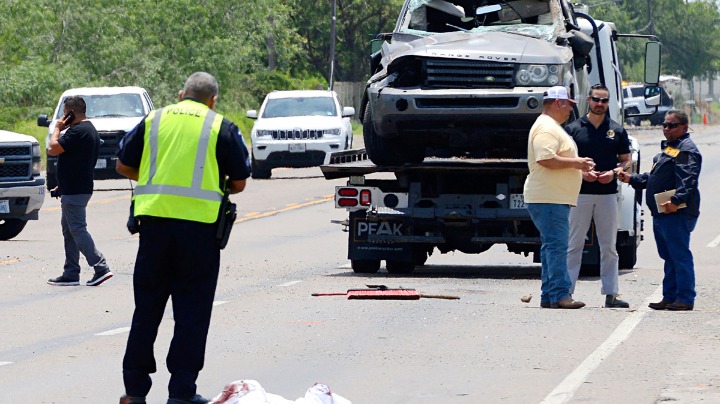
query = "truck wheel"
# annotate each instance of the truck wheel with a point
(399, 267)
(365, 266)
(628, 256)
(259, 172)
(10, 228)
(388, 152)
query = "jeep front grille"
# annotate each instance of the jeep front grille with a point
(453, 73)
(297, 134)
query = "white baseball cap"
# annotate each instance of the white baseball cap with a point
(557, 93)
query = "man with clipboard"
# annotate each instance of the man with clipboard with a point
(674, 201)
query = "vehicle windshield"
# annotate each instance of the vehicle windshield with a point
(110, 106)
(299, 106)
(536, 18)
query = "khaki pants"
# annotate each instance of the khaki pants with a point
(604, 209)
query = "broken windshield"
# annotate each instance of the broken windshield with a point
(535, 18)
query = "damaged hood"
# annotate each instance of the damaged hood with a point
(512, 47)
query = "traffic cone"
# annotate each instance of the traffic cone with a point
(705, 118)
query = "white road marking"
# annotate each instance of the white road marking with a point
(288, 283)
(5, 363)
(715, 242)
(219, 302)
(114, 332)
(564, 392)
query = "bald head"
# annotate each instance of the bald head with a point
(202, 86)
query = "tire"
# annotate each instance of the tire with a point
(365, 266)
(399, 267)
(10, 228)
(388, 152)
(259, 172)
(627, 256)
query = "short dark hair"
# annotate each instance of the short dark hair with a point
(681, 115)
(598, 86)
(75, 103)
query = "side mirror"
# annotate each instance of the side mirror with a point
(252, 114)
(652, 96)
(652, 63)
(43, 120)
(348, 112)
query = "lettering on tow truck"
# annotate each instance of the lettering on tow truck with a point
(379, 229)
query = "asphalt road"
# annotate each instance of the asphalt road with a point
(65, 344)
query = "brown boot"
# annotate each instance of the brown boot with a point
(568, 303)
(661, 305)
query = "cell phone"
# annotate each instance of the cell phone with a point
(69, 117)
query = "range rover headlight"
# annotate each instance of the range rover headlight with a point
(538, 75)
(263, 132)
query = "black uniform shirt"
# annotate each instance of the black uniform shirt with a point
(603, 144)
(231, 153)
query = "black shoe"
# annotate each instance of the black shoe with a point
(99, 278)
(679, 306)
(613, 301)
(545, 305)
(125, 399)
(196, 399)
(63, 281)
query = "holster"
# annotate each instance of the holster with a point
(226, 220)
(133, 224)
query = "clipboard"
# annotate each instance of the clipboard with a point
(663, 197)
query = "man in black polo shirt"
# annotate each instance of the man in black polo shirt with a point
(606, 142)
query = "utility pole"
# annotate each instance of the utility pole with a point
(650, 19)
(332, 45)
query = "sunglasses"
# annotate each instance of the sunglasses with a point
(600, 100)
(671, 125)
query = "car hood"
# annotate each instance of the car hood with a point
(110, 124)
(302, 122)
(512, 47)
(7, 136)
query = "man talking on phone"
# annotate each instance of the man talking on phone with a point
(77, 150)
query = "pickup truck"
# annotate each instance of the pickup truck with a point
(22, 186)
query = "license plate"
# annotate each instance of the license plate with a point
(296, 147)
(101, 163)
(4, 206)
(517, 201)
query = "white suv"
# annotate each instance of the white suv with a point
(634, 103)
(297, 129)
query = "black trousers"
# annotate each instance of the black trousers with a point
(178, 259)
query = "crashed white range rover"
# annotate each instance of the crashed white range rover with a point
(466, 77)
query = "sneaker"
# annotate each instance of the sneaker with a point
(99, 278)
(613, 301)
(63, 281)
(196, 399)
(132, 400)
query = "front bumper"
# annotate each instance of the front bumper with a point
(25, 198)
(274, 153)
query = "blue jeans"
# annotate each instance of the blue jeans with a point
(672, 236)
(76, 237)
(552, 220)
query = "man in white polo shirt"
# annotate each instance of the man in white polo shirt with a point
(551, 188)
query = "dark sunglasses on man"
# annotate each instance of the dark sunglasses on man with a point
(671, 125)
(600, 100)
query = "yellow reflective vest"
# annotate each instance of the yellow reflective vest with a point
(179, 176)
